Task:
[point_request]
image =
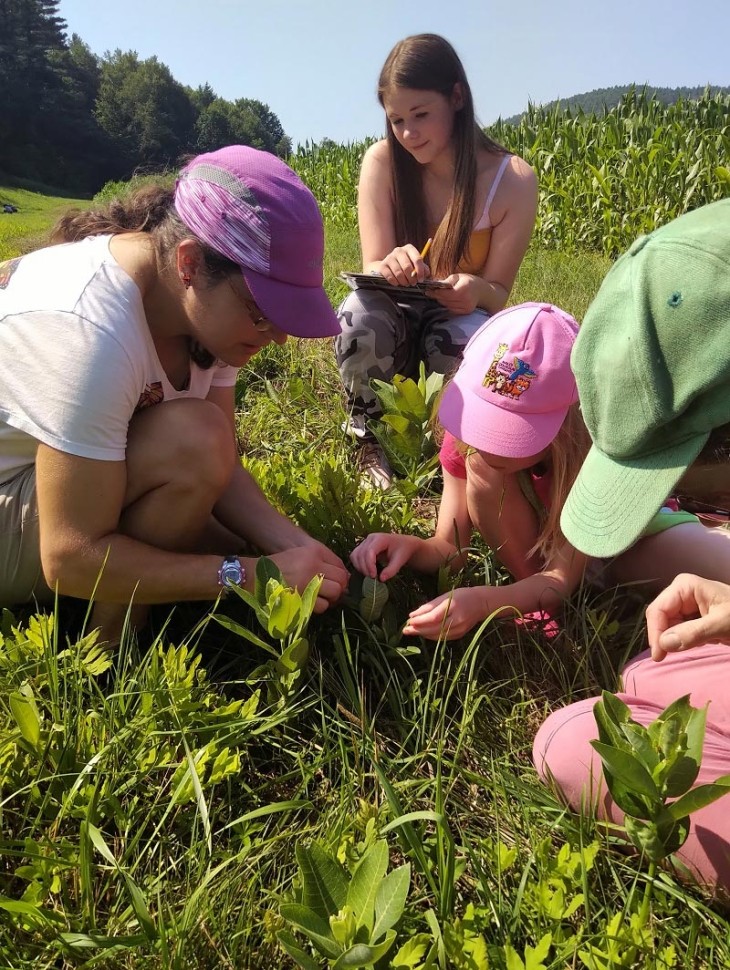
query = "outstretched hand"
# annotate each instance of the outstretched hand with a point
(690, 611)
(393, 548)
(449, 616)
(301, 564)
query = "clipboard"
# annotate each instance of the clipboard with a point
(374, 281)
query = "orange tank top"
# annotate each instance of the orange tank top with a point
(477, 250)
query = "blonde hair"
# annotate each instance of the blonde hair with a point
(428, 62)
(568, 450)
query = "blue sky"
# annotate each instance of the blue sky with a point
(316, 62)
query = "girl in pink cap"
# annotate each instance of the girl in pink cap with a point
(119, 350)
(514, 442)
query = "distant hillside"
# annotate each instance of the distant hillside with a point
(594, 102)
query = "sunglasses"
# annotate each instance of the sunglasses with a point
(260, 322)
(258, 319)
(702, 509)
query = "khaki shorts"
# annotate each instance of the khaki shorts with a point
(21, 578)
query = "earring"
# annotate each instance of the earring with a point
(186, 280)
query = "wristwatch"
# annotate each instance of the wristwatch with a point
(231, 573)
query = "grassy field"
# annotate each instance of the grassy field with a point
(159, 807)
(25, 229)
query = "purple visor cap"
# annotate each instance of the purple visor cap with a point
(253, 209)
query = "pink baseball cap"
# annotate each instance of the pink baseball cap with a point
(253, 209)
(514, 387)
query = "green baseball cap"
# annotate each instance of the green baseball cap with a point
(652, 364)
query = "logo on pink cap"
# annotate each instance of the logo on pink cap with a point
(505, 378)
(514, 386)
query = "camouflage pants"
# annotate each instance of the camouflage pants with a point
(381, 338)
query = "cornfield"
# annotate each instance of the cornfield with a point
(604, 179)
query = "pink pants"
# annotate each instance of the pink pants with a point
(564, 757)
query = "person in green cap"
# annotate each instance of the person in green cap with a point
(652, 365)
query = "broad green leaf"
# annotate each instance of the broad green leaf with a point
(294, 657)
(366, 881)
(671, 736)
(699, 797)
(627, 769)
(362, 955)
(313, 926)
(292, 949)
(512, 958)
(25, 712)
(226, 763)
(411, 954)
(412, 402)
(373, 599)
(390, 899)
(610, 714)
(628, 801)
(250, 600)
(681, 776)
(385, 393)
(695, 731)
(656, 841)
(324, 885)
(309, 598)
(398, 422)
(244, 633)
(535, 956)
(284, 610)
(266, 569)
(638, 738)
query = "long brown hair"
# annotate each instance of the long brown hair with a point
(149, 208)
(428, 62)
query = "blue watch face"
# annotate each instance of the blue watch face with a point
(231, 572)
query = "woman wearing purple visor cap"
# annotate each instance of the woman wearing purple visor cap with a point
(119, 350)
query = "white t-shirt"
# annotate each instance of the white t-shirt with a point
(77, 358)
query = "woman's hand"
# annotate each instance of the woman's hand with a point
(392, 547)
(690, 611)
(449, 616)
(403, 266)
(301, 564)
(463, 297)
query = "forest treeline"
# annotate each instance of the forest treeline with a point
(72, 119)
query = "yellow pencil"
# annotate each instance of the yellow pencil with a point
(424, 253)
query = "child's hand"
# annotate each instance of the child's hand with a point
(462, 298)
(449, 616)
(395, 549)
